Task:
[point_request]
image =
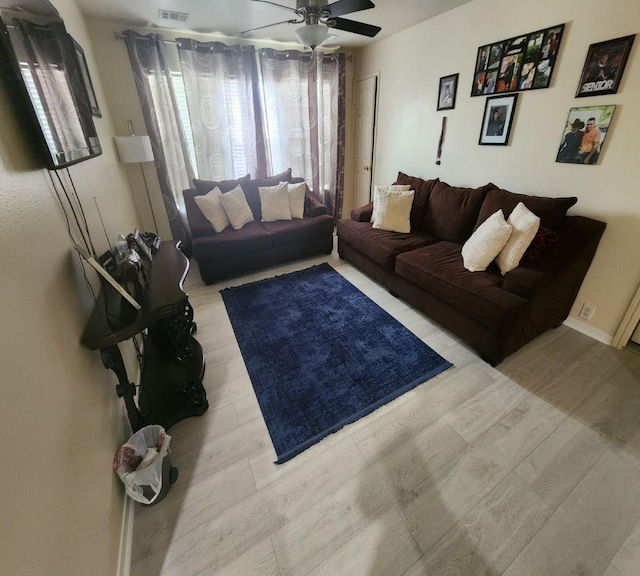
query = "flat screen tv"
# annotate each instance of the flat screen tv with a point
(40, 63)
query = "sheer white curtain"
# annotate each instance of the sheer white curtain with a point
(302, 95)
(220, 88)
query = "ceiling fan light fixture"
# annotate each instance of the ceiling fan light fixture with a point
(312, 35)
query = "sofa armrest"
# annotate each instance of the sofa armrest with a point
(362, 214)
(313, 207)
(561, 267)
(198, 224)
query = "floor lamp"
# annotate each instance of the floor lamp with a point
(137, 149)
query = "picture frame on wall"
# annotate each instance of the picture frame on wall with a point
(603, 67)
(86, 78)
(447, 92)
(524, 62)
(498, 119)
(584, 134)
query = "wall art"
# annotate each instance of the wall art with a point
(447, 92)
(523, 62)
(604, 66)
(86, 78)
(497, 120)
(584, 133)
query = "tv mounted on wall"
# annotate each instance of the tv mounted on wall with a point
(39, 60)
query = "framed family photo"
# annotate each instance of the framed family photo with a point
(604, 66)
(497, 120)
(447, 92)
(584, 133)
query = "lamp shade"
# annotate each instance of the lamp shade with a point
(134, 149)
(312, 35)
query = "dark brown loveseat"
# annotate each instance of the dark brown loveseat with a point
(494, 314)
(257, 244)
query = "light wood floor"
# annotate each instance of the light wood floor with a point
(528, 469)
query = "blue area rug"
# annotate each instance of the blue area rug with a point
(321, 354)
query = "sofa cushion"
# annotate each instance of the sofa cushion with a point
(422, 189)
(297, 193)
(543, 239)
(524, 225)
(274, 202)
(551, 211)
(452, 212)
(236, 207)
(378, 199)
(252, 195)
(204, 186)
(394, 207)
(380, 246)
(285, 233)
(231, 243)
(209, 204)
(486, 243)
(439, 270)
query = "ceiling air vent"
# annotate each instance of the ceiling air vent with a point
(173, 16)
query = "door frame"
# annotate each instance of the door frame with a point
(374, 140)
(629, 322)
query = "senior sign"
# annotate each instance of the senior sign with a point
(604, 66)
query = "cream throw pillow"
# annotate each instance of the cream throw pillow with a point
(486, 242)
(274, 201)
(236, 207)
(525, 225)
(213, 211)
(382, 190)
(296, 199)
(394, 208)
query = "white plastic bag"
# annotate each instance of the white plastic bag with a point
(139, 463)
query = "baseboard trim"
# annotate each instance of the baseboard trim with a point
(128, 513)
(587, 330)
(126, 537)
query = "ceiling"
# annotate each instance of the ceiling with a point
(230, 17)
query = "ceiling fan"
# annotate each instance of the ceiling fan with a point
(318, 16)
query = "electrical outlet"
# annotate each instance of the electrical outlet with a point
(586, 312)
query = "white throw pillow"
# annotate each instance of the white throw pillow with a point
(274, 201)
(296, 199)
(213, 211)
(486, 242)
(381, 190)
(525, 225)
(394, 208)
(236, 207)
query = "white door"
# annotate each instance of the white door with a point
(365, 92)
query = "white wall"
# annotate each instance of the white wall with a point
(60, 419)
(410, 65)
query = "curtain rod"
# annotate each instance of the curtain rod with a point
(122, 37)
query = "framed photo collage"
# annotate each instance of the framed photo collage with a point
(521, 63)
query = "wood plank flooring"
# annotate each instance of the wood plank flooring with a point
(530, 468)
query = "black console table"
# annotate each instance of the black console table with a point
(172, 363)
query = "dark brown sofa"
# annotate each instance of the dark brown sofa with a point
(494, 314)
(257, 244)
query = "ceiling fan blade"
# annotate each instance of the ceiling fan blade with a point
(342, 7)
(274, 24)
(276, 4)
(355, 27)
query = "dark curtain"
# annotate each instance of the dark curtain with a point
(149, 62)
